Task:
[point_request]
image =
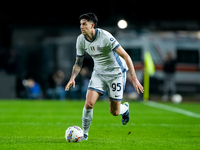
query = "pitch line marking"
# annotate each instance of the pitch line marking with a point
(173, 109)
(100, 124)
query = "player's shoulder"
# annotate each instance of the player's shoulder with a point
(80, 37)
(105, 35)
(104, 32)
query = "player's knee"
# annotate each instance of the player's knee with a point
(89, 105)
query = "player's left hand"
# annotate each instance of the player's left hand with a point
(138, 87)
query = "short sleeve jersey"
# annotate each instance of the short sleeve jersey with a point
(102, 50)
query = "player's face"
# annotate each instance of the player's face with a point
(86, 26)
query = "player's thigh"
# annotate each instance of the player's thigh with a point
(97, 84)
(91, 98)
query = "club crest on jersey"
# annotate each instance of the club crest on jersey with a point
(99, 48)
(92, 48)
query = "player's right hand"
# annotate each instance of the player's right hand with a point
(69, 84)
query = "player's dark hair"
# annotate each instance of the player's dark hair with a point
(90, 17)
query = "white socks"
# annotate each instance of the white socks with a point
(86, 119)
(123, 109)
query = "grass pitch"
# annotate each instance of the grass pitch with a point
(42, 124)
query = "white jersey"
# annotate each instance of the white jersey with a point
(102, 50)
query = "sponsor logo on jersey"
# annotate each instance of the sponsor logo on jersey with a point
(113, 43)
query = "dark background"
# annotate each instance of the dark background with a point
(26, 26)
(139, 13)
(149, 14)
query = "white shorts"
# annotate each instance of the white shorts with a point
(115, 85)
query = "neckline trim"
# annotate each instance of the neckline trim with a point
(95, 36)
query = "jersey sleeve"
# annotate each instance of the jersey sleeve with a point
(113, 43)
(79, 48)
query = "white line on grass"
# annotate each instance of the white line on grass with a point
(173, 109)
(97, 124)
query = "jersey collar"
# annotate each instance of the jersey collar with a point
(95, 36)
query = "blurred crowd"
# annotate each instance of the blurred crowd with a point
(55, 87)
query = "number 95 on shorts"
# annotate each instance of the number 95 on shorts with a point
(114, 85)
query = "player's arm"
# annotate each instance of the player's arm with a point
(75, 71)
(121, 52)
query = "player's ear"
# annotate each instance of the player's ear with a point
(93, 25)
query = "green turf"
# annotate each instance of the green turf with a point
(42, 124)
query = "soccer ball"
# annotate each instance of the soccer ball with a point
(177, 98)
(73, 134)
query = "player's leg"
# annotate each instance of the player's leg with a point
(87, 115)
(91, 98)
(116, 108)
(116, 89)
(94, 90)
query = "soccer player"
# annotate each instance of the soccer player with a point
(110, 65)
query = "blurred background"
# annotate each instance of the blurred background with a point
(37, 46)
